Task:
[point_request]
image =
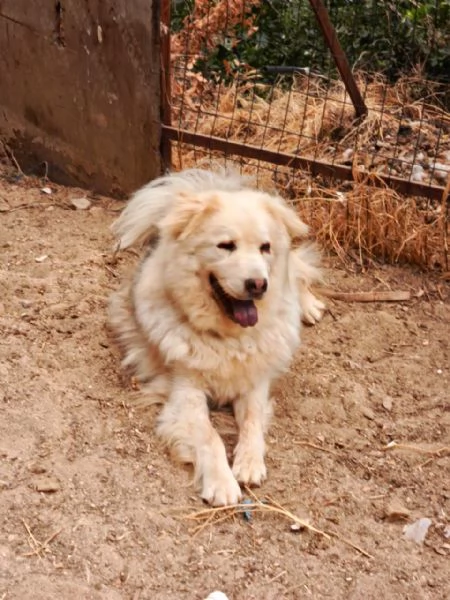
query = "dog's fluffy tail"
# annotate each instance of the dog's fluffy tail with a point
(140, 219)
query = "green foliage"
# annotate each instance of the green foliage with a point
(387, 36)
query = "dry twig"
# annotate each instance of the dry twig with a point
(413, 448)
(11, 156)
(213, 515)
(373, 296)
(36, 546)
(315, 446)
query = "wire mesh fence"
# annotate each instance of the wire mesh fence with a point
(304, 93)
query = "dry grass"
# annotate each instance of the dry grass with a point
(212, 516)
(316, 120)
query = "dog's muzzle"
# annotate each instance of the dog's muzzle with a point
(242, 312)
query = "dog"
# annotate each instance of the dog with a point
(213, 311)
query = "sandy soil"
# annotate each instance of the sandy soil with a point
(91, 505)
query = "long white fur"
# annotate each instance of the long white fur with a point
(150, 204)
(176, 338)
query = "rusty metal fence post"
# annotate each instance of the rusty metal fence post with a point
(340, 59)
(166, 86)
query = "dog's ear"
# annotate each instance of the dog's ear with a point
(295, 227)
(187, 213)
(140, 220)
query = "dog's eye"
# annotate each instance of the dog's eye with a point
(265, 248)
(230, 246)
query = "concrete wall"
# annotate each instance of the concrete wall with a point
(80, 89)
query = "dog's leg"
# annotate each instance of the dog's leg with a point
(185, 425)
(252, 415)
(311, 307)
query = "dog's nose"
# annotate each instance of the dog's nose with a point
(256, 287)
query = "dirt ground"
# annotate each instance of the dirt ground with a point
(91, 505)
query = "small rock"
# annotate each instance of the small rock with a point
(368, 413)
(417, 173)
(40, 259)
(46, 190)
(395, 511)
(26, 303)
(347, 154)
(58, 310)
(417, 531)
(387, 403)
(80, 203)
(37, 469)
(48, 485)
(217, 596)
(441, 171)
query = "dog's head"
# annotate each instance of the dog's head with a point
(230, 248)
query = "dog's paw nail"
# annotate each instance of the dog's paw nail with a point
(250, 470)
(222, 493)
(313, 312)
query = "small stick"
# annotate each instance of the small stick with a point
(349, 543)
(276, 577)
(259, 506)
(11, 156)
(437, 454)
(22, 206)
(32, 541)
(45, 163)
(43, 545)
(414, 448)
(272, 507)
(315, 446)
(196, 530)
(374, 296)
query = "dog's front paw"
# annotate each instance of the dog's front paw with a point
(249, 467)
(312, 308)
(220, 489)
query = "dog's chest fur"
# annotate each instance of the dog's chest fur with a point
(228, 367)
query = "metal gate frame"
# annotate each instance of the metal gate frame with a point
(170, 133)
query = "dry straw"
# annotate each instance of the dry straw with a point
(214, 515)
(314, 118)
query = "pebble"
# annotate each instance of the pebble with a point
(417, 173)
(387, 403)
(368, 413)
(217, 596)
(80, 203)
(395, 511)
(48, 485)
(417, 531)
(441, 171)
(37, 469)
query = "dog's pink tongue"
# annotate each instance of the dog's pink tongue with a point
(245, 313)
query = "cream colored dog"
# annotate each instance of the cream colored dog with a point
(213, 311)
